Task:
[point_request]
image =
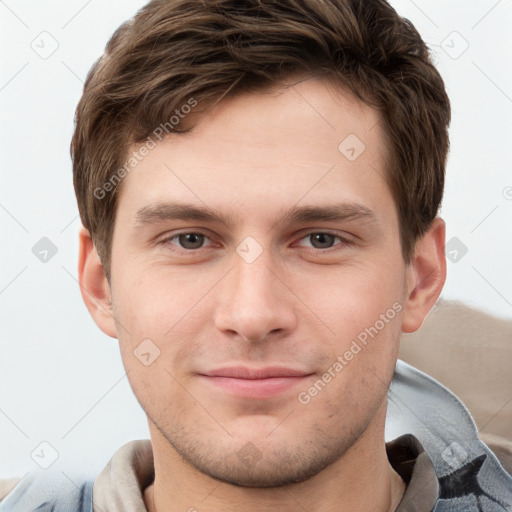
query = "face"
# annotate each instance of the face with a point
(257, 284)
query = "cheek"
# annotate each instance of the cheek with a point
(154, 302)
(160, 393)
(363, 307)
(160, 320)
(352, 298)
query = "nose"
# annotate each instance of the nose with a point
(255, 302)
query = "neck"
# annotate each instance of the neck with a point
(361, 480)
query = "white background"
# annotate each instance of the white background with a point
(61, 378)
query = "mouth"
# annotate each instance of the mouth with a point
(255, 382)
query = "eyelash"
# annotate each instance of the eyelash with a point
(344, 241)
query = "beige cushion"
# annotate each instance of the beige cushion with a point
(470, 352)
(7, 485)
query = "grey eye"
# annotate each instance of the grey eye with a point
(322, 240)
(191, 240)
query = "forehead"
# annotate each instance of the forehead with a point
(308, 142)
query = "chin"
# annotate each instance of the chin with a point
(264, 474)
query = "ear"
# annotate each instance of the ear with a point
(425, 276)
(94, 286)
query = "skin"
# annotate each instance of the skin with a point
(299, 304)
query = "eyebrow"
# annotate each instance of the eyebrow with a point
(182, 211)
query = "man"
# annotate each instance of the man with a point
(259, 184)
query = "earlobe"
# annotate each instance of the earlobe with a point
(426, 275)
(94, 286)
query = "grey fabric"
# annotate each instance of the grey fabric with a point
(470, 476)
(49, 491)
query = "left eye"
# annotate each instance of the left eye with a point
(189, 241)
(322, 240)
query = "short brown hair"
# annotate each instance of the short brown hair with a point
(173, 51)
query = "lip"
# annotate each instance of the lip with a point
(248, 382)
(245, 372)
